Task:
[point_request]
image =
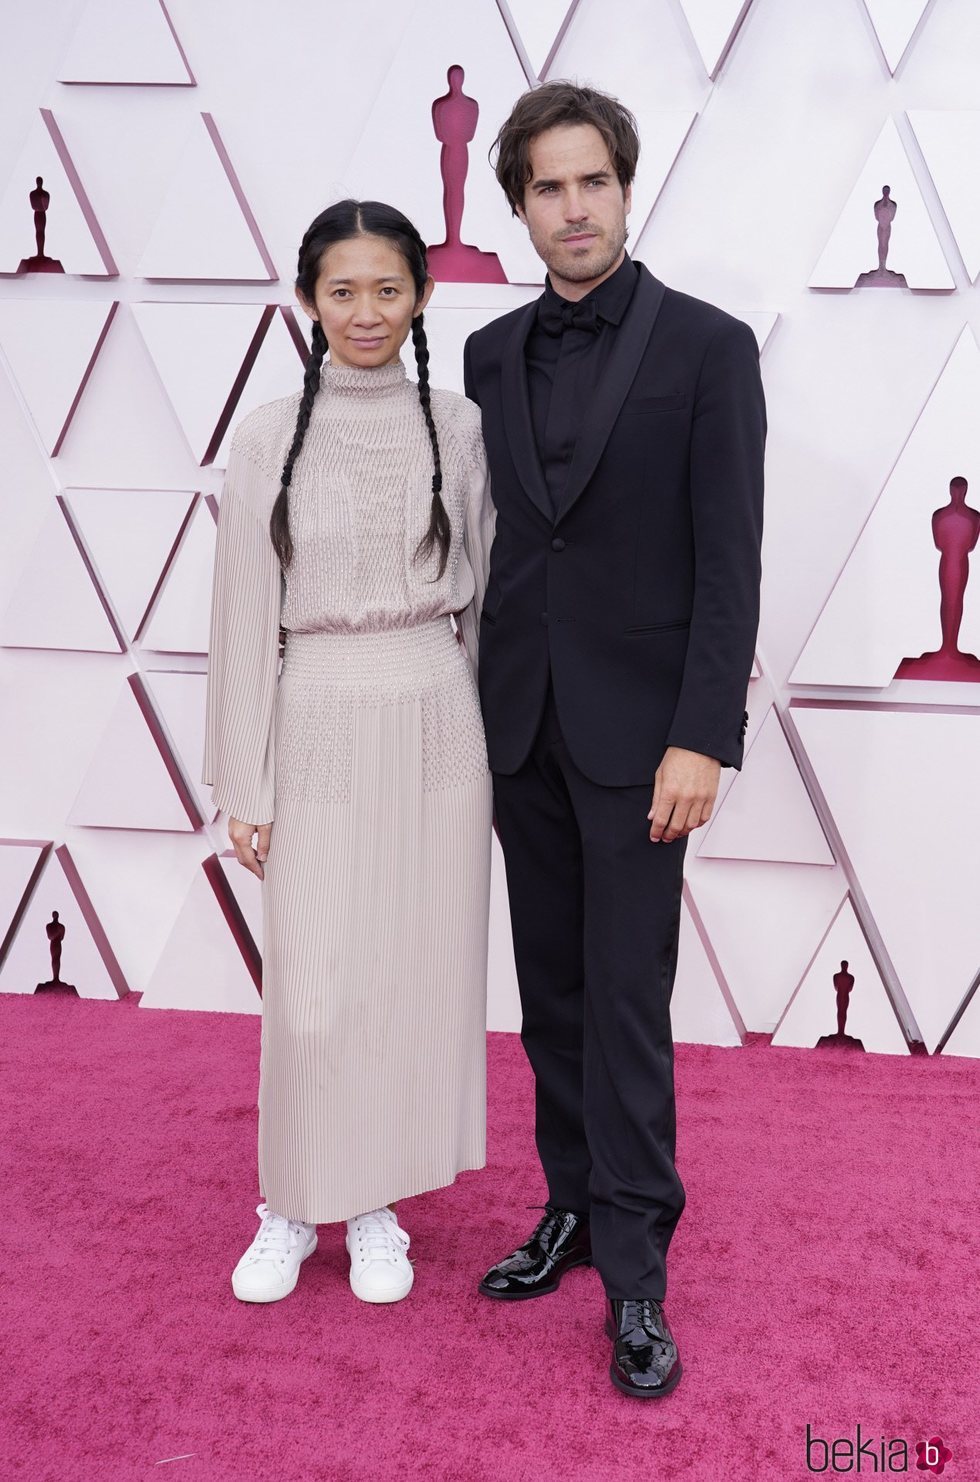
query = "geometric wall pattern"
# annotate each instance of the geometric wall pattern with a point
(811, 169)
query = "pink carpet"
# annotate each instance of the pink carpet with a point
(825, 1272)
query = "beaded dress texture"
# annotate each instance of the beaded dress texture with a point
(365, 751)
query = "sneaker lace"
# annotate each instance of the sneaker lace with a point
(276, 1233)
(380, 1236)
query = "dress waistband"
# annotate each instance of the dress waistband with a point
(391, 657)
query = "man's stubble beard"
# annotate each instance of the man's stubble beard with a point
(582, 271)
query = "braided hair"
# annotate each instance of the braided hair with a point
(338, 223)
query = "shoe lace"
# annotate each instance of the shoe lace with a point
(380, 1236)
(276, 1234)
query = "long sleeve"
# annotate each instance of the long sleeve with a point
(727, 454)
(478, 533)
(243, 654)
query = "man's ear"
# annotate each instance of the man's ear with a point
(519, 213)
(628, 199)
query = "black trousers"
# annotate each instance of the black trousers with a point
(595, 909)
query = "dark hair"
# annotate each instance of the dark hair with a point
(338, 223)
(547, 107)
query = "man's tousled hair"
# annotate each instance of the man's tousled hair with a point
(549, 106)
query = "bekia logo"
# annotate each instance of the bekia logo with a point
(865, 1455)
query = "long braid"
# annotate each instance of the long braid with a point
(279, 521)
(439, 531)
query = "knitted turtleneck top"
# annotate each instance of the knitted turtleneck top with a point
(359, 504)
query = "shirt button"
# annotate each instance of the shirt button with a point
(557, 544)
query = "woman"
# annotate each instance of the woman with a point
(357, 516)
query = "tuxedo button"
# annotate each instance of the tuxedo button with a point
(557, 544)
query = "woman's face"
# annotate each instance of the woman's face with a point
(365, 300)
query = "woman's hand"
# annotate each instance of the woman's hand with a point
(240, 835)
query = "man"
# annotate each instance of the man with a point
(625, 425)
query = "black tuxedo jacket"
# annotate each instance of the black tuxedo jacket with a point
(642, 592)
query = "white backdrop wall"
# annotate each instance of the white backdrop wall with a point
(186, 151)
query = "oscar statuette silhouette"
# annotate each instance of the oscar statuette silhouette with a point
(40, 200)
(883, 277)
(55, 929)
(454, 118)
(955, 531)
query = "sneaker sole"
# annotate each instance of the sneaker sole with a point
(274, 1296)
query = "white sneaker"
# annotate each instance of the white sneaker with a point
(269, 1269)
(379, 1268)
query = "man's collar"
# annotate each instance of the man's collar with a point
(612, 296)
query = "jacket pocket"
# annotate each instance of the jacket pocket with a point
(655, 403)
(661, 627)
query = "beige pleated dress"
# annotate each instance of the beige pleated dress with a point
(367, 755)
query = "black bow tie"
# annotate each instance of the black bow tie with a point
(556, 315)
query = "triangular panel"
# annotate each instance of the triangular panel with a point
(714, 25)
(870, 762)
(132, 781)
(912, 256)
(73, 241)
(205, 230)
(536, 28)
(699, 1009)
(767, 814)
(131, 44)
(950, 142)
(208, 960)
(276, 371)
(179, 697)
(885, 606)
(88, 962)
(52, 385)
(894, 23)
(842, 983)
(56, 602)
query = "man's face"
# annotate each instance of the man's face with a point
(574, 206)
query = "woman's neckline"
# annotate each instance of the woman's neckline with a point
(363, 380)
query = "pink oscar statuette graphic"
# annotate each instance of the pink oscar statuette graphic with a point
(955, 531)
(454, 119)
(56, 934)
(881, 277)
(40, 200)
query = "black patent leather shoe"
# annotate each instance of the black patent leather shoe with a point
(645, 1361)
(560, 1241)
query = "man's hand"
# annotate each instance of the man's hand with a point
(240, 835)
(684, 792)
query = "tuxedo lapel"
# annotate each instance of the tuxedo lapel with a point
(516, 403)
(632, 337)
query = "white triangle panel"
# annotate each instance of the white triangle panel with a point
(133, 43)
(179, 698)
(921, 888)
(201, 966)
(73, 236)
(130, 535)
(913, 248)
(56, 602)
(278, 371)
(181, 617)
(87, 959)
(128, 784)
(699, 1011)
(894, 22)
(714, 25)
(52, 385)
(200, 351)
(885, 604)
(18, 860)
(767, 814)
(205, 230)
(763, 921)
(540, 25)
(664, 132)
(869, 1016)
(762, 323)
(950, 142)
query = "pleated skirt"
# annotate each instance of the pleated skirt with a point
(372, 1081)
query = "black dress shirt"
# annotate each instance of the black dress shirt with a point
(564, 369)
